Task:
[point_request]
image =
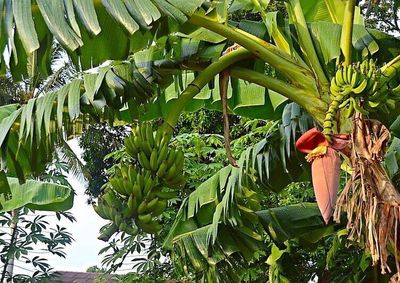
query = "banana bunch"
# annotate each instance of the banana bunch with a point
(350, 80)
(110, 207)
(153, 153)
(139, 191)
(358, 87)
(136, 196)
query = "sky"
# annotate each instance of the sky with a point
(83, 252)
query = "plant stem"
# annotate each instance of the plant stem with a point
(305, 40)
(346, 38)
(9, 263)
(391, 69)
(305, 98)
(201, 80)
(267, 52)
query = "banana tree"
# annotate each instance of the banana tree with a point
(172, 50)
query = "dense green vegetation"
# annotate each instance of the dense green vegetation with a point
(194, 117)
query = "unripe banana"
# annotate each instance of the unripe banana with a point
(148, 186)
(151, 204)
(359, 89)
(153, 160)
(137, 192)
(116, 185)
(159, 135)
(99, 210)
(144, 161)
(162, 169)
(132, 174)
(152, 227)
(171, 158)
(131, 206)
(162, 154)
(130, 147)
(149, 136)
(171, 173)
(339, 77)
(144, 218)
(166, 195)
(159, 208)
(179, 160)
(138, 143)
(349, 74)
(142, 207)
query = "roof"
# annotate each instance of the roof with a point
(79, 277)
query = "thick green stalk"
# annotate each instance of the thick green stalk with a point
(346, 43)
(305, 98)
(391, 69)
(267, 52)
(305, 40)
(201, 80)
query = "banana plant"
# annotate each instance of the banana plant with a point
(343, 81)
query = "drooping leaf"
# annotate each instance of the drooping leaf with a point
(25, 25)
(38, 196)
(53, 13)
(302, 221)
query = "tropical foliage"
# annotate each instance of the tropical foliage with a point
(143, 63)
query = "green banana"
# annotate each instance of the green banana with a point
(151, 204)
(144, 218)
(137, 192)
(153, 160)
(151, 227)
(166, 195)
(162, 154)
(171, 173)
(162, 169)
(150, 136)
(179, 160)
(144, 161)
(142, 207)
(361, 87)
(159, 208)
(99, 210)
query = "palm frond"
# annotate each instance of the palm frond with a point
(75, 166)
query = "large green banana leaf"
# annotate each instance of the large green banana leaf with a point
(302, 221)
(37, 195)
(88, 29)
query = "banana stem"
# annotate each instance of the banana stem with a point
(307, 99)
(267, 52)
(346, 42)
(391, 69)
(199, 82)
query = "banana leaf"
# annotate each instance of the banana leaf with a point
(302, 221)
(37, 195)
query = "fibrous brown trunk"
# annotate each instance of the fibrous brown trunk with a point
(371, 201)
